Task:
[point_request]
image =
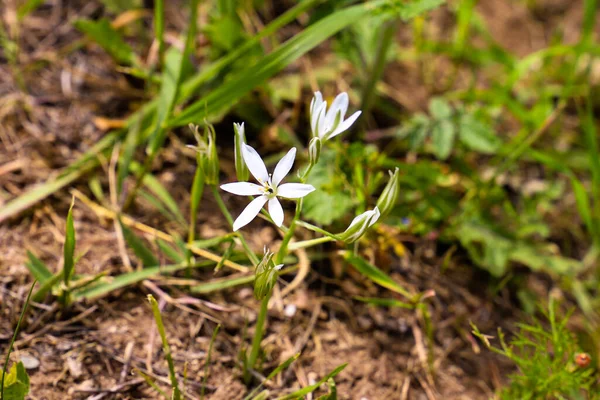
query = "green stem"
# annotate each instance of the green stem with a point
(288, 235)
(253, 258)
(309, 243)
(258, 335)
(315, 228)
(12, 342)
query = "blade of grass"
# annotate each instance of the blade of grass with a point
(139, 248)
(225, 95)
(375, 274)
(159, 27)
(309, 389)
(47, 287)
(280, 367)
(207, 364)
(166, 348)
(151, 383)
(69, 247)
(38, 269)
(14, 337)
(385, 302)
(131, 141)
(90, 161)
(130, 278)
(109, 39)
(169, 251)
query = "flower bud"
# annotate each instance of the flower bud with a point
(265, 276)
(241, 170)
(314, 150)
(389, 196)
(359, 226)
(211, 160)
(207, 157)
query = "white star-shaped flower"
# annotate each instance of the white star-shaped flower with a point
(326, 124)
(268, 189)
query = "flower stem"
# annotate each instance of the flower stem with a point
(309, 243)
(253, 258)
(258, 335)
(288, 235)
(315, 228)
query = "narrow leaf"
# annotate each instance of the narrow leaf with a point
(108, 38)
(375, 274)
(38, 269)
(139, 248)
(69, 247)
(309, 389)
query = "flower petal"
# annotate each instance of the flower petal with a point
(243, 188)
(340, 104)
(294, 190)
(375, 216)
(255, 163)
(283, 167)
(345, 125)
(249, 212)
(317, 119)
(276, 211)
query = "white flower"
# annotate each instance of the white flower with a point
(327, 124)
(269, 187)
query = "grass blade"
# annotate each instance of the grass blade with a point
(69, 247)
(131, 141)
(138, 247)
(14, 337)
(109, 39)
(280, 367)
(159, 27)
(309, 389)
(375, 274)
(38, 269)
(166, 348)
(228, 93)
(207, 364)
(130, 278)
(385, 302)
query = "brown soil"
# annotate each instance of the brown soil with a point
(90, 350)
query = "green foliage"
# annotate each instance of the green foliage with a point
(69, 248)
(176, 392)
(445, 125)
(375, 274)
(309, 389)
(16, 384)
(545, 357)
(109, 39)
(145, 255)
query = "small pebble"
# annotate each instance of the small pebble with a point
(30, 362)
(290, 310)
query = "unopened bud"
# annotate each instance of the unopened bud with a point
(314, 150)
(207, 158)
(241, 170)
(390, 193)
(265, 276)
(359, 226)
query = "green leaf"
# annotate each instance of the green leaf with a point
(375, 274)
(159, 26)
(47, 286)
(131, 141)
(318, 206)
(416, 8)
(171, 80)
(439, 108)
(229, 92)
(385, 302)
(109, 39)
(90, 161)
(170, 252)
(69, 247)
(16, 385)
(139, 248)
(38, 269)
(28, 7)
(109, 284)
(309, 389)
(477, 136)
(222, 283)
(442, 138)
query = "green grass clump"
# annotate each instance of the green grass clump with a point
(548, 360)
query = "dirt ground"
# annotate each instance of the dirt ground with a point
(91, 350)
